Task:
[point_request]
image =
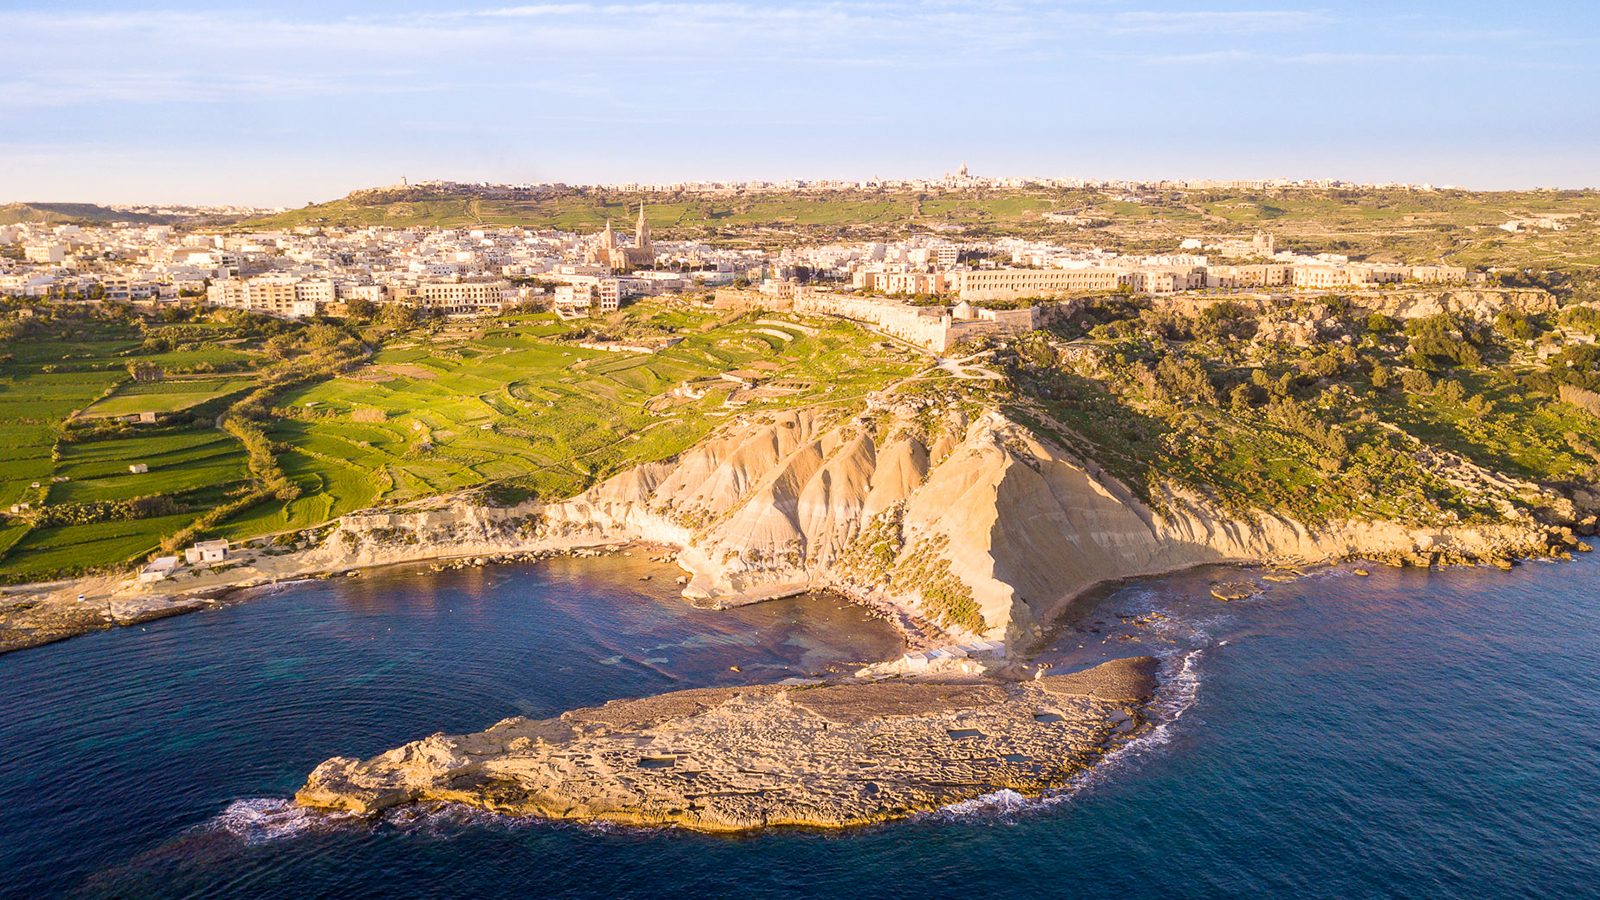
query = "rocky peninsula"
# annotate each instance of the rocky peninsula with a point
(735, 759)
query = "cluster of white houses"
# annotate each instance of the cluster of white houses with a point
(299, 271)
(578, 295)
(469, 272)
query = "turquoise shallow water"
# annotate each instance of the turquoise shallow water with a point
(1410, 734)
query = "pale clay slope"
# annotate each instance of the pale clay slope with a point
(773, 505)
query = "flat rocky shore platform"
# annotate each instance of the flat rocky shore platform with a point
(732, 759)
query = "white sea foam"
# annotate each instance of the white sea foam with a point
(262, 820)
(1179, 689)
(276, 586)
(1000, 803)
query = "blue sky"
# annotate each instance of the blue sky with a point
(288, 102)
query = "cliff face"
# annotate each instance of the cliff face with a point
(976, 526)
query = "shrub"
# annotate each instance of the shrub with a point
(1513, 325)
(1582, 318)
(1416, 382)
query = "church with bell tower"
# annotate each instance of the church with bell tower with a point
(622, 258)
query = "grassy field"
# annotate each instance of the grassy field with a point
(164, 396)
(64, 550)
(514, 401)
(56, 385)
(179, 461)
(510, 401)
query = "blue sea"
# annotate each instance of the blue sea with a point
(1410, 734)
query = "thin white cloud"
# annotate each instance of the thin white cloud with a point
(70, 58)
(1203, 22)
(198, 87)
(1231, 57)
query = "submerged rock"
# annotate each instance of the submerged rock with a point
(1235, 590)
(732, 759)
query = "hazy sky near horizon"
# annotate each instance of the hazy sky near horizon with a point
(295, 101)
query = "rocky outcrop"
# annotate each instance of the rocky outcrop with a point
(732, 759)
(30, 617)
(1313, 324)
(1479, 304)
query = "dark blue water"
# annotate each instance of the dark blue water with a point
(1410, 734)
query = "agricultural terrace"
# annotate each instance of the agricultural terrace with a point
(165, 396)
(521, 403)
(529, 404)
(64, 381)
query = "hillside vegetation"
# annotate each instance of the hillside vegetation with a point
(75, 214)
(1319, 411)
(1315, 410)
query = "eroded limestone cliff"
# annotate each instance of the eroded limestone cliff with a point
(976, 525)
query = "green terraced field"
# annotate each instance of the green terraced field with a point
(33, 406)
(54, 385)
(68, 549)
(437, 409)
(165, 396)
(178, 462)
(511, 402)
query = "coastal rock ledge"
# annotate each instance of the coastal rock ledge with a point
(733, 759)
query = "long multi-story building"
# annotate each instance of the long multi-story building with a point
(1010, 284)
(1234, 277)
(272, 294)
(581, 298)
(462, 298)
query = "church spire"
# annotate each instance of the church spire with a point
(641, 232)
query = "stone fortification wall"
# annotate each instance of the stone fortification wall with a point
(744, 298)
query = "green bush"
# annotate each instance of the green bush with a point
(1416, 382)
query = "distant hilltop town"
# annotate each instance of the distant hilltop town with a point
(962, 178)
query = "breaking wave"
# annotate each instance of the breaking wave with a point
(1180, 687)
(263, 820)
(266, 820)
